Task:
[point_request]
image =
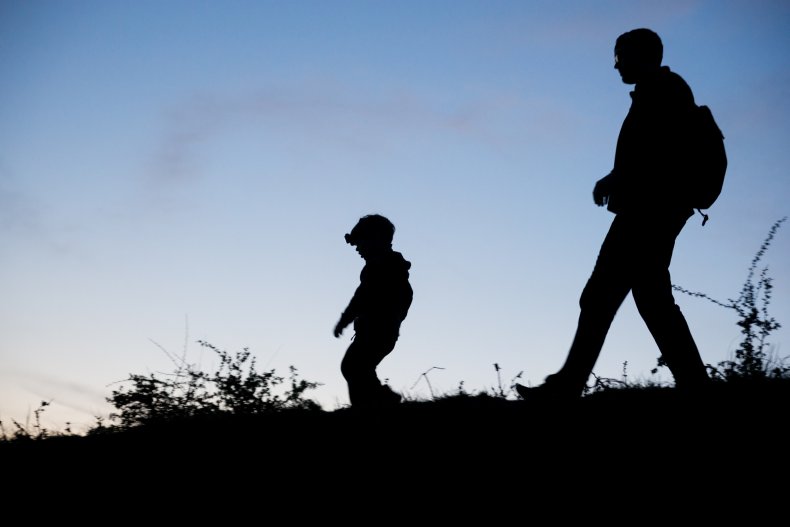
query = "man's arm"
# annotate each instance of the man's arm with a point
(603, 189)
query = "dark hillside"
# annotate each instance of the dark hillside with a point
(617, 450)
(475, 428)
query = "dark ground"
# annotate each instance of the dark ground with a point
(731, 444)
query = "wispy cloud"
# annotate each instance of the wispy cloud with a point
(18, 215)
(69, 394)
(25, 220)
(344, 119)
(578, 25)
(186, 127)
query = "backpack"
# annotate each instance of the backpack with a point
(708, 161)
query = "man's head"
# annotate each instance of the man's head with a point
(637, 54)
(372, 233)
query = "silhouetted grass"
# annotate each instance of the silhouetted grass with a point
(614, 450)
(747, 407)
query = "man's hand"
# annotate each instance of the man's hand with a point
(602, 190)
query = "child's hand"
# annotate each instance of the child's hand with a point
(339, 328)
(345, 320)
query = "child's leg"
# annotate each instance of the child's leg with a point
(359, 367)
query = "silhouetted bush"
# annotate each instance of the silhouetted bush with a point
(752, 360)
(236, 388)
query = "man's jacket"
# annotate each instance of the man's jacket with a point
(650, 162)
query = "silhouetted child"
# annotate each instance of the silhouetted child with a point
(377, 309)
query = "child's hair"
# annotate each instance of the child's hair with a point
(371, 227)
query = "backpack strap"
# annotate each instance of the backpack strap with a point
(704, 217)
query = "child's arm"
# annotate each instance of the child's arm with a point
(349, 314)
(344, 321)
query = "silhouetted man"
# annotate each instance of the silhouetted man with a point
(644, 192)
(377, 309)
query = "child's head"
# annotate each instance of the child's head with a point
(371, 232)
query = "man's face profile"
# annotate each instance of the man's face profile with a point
(625, 64)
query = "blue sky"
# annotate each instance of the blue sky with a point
(175, 171)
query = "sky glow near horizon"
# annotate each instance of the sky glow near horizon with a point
(179, 171)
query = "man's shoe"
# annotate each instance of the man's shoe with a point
(531, 393)
(547, 391)
(389, 397)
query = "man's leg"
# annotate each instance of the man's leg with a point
(652, 291)
(602, 296)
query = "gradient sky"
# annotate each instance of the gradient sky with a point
(178, 170)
